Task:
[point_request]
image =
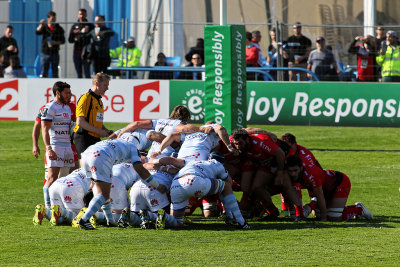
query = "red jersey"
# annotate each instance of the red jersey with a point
(365, 64)
(71, 106)
(261, 147)
(252, 55)
(329, 180)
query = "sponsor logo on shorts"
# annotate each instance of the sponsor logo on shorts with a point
(68, 199)
(153, 202)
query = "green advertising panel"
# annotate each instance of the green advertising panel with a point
(225, 68)
(331, 104)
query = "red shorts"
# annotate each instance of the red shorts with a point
(343, 190)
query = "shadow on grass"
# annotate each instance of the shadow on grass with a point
(355, 150)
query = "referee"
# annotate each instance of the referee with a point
(90, 114)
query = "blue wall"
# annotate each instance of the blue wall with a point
(114, 10)
(28, 11)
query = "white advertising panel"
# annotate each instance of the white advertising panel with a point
(125, 101)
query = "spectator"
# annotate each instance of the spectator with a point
(272, 57)
(161, 75)
(252, 54)
(192, 75)
(380, 37)
(389, 58)
(100, 36)
(128, 54)
(2, 64)
(77, 37)
(366, 57)
(14, 70)
(53, 37)
(321, 60)
(8, 45)
(198, 49)
(299, 48)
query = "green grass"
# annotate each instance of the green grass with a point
(369, 156)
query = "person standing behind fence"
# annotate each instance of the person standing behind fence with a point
(192, 75)
(252, 52)
(321, 60)
(198, 49)
(366, 58)
(53, 37)
(8, 45)
(100, 36)
(299, 48)
(161, 75)
(389, 58)
(77, 37)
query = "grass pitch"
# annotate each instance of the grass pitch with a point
(369, 156)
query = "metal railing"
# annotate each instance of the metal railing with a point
(261, 70)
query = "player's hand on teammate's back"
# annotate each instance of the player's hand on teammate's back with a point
(103, 133)
(112, 136)
(162, 188)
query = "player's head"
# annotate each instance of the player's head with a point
(294, 167)
(289, 138)
(241, 140)
(180, 113)
(62, 91)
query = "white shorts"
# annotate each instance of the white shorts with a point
(186, 187)
(118, 195)
(67, 194)
(147, 197)
(65, 157)
(98, 166)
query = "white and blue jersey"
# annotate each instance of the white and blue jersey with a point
(166, 127)
(126, 173)
(60, 116)
(79, 176)
(205, 168)
(197, 146)
(137, 135)
(98, 159)
(164, 178)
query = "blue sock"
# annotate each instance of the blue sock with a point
(68, 215)
(101, 218)
(47, 212)
(46, 197)
(230, 203)
(134, 219)
(107, 210)
(116, 216)
(170, 220)
(152, 216)
(94, 205)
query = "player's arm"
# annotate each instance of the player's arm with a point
(173, 137)
(35, 138)
(223, 134)
(319, 194)
(187, 128)
(280, 161)
(252, 130)
(46, 125)
(148, 124)
(146, 176)
(81, 122)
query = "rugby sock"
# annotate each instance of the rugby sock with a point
(152, 216)
(230, 203)
(116, 216)
(68, 215)
(179, 220)
(284, 204)
(46, 197)
(101, 218)
(47, 212)
(299, 211)
(170, 220)
(134, 219)
(94, 205)
(351, 211)
(227, 211)
(107, 210)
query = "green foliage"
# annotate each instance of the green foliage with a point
(369, 156)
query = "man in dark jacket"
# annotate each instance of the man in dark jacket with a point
(53, 37)
(100, 36)
(8, 45)
(77, 37)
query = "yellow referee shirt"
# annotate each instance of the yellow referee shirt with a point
(91, 108)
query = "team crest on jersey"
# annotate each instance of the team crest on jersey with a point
(69, 184)
(96, 154)
(68, 199)
(93, 169)
(154, 202)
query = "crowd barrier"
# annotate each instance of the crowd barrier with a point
(307, 103)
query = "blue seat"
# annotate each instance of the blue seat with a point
(174, 62)
(37, 69)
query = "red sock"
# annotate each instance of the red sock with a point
(313, 205)
(350, 211)
(299, 211)
(284, 204)
(272, 210)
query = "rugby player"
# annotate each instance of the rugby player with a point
(98, 161)
(55, 122)
(331, 191)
